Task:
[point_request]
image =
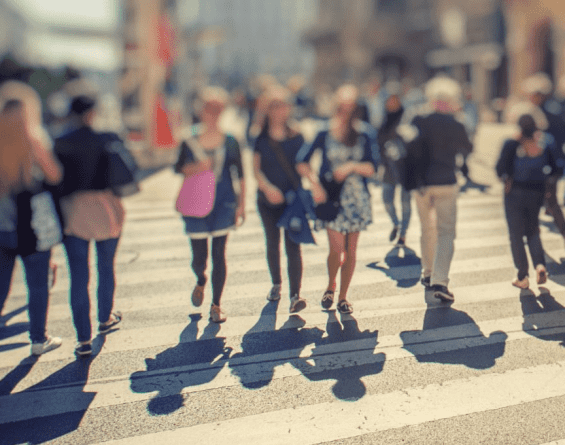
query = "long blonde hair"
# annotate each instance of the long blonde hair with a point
(20, 125)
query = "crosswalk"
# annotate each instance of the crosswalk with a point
(402, 369)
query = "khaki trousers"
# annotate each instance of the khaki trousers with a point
(437, 209)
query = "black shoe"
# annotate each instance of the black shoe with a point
(116, 318)
(393, 234)
(443, 293)
(426, 282)
(401, 242)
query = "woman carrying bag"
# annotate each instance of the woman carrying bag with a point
(525, 165)
(29, 223)
(349, 157)
(212, 199)
(275, 178)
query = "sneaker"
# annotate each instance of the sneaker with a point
(83, 349)
(328, 299)
(344, 307)
(541, 274)
(393, 234)
(296, 304)
(524, 283)
(275, 293)
(426, 282)
(216, 314)
(49, 344)
(197, 295)
(401, 242)
(443, 293)
(115, 318)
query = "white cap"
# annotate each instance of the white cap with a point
(444, 89)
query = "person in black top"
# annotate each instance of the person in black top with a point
(273, 183)
(523, 166)
(439, 140)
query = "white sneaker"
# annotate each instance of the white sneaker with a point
(297, 304)
(48, 345)
(275, 293)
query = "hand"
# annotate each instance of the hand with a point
(507, 186)
(319, 194)
(342, 172)
(274, 195)
(239, 215)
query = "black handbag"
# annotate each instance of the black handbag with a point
(329, 210)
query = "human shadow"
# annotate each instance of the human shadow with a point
(556, 270)
(450, 336)
(550, 225)
(264, 347)
(402, 265)
(56, 405)
(167, 373)
(345, 355)
(13, 329)
(543, 316)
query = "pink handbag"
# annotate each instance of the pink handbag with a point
(197, 195)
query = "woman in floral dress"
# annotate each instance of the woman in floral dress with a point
(349, 157)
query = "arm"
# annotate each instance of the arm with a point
(304, 170)
(47, 163)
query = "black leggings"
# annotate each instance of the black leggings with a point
(270, 216)
(219, 269)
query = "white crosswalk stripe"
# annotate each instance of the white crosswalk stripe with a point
(402, 361)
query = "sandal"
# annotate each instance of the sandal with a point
(115, 318)
(344, 307)
(328, 299)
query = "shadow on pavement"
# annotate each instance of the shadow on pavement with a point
(162, 373)
(543, 315)
(335, 358)
(472, 185)
(396, 258)
(264, 347)
(450, 336)
(60, 411)
(13, 329)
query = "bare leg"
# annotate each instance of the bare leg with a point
(337, 246)
(348, 266)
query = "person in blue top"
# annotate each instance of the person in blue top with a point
(212, 149)
(273, 183)
(525, 164)
(349, 157)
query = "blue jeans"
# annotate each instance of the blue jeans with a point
(388, 200)
(36, 268)
(77, 256)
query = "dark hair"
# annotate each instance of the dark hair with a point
(82, 104)
(527, 126)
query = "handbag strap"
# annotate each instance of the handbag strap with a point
(284, 163)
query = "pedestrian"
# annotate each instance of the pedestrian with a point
(208, 148)
(538, 89)
(91, 212)
(391, 153)
(349, 157)
(275, 178)
(438, 139)
(29, 223)
(525, 165)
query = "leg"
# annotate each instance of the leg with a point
(348, 266)
(37, 271)
(219, 268)
(534, 204)
(106, 253)
(337, 247)
(388, 201)
(294, 264)
(516, 230)
(445, 202)
(199, 259)
(269, 218)
(428, 238)
(7, 261)
(406, 211)
(77, 258)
